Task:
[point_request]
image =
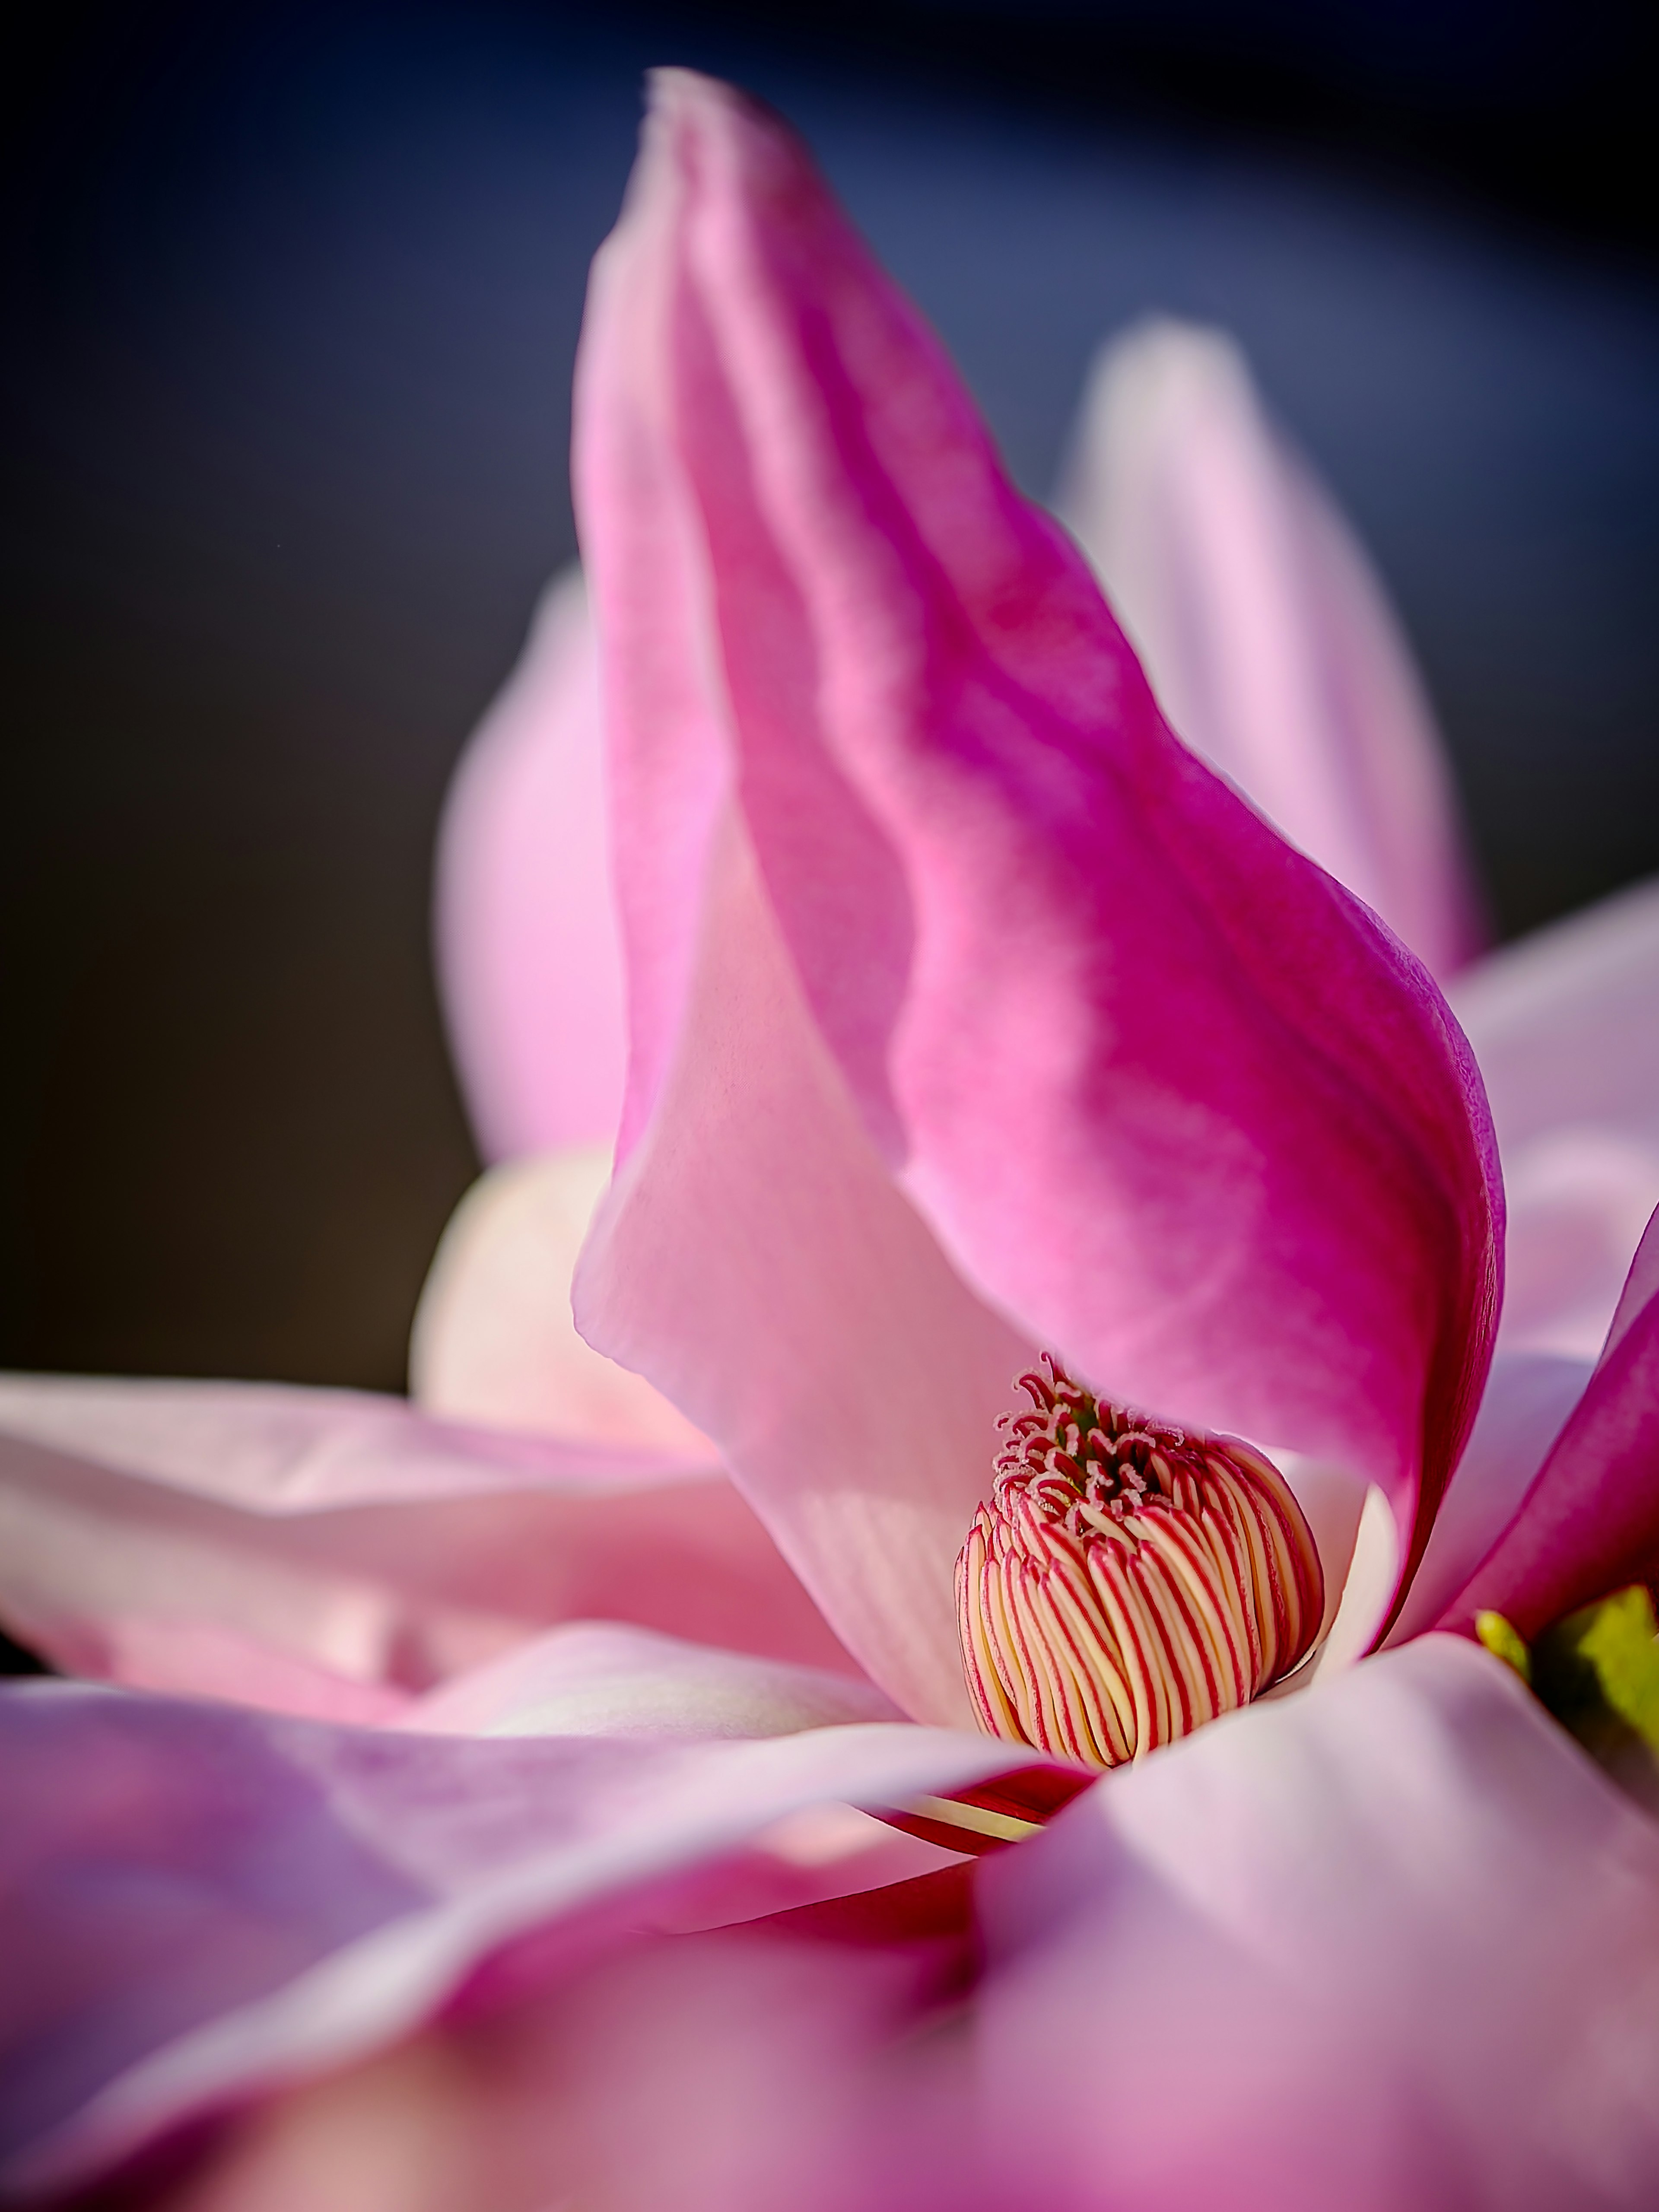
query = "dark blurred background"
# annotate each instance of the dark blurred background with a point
(294, 293)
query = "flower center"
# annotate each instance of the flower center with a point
(1125, 1583)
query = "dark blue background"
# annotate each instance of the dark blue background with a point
(296, 299)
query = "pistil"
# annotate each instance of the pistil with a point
(1127, 1580)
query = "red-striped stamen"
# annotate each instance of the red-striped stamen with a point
(1125, 1583)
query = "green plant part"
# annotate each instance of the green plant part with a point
(1597, 1671)
(1504, 1641)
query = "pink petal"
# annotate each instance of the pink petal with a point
(1529, 1398)
(332, 1552)
(1393, 1943)
(528, 958)
(201, 1902)
(1265, 633)
(602, 1678)
(915, 883)
(721, 2074)
(756, 1254)
(494, 1341)
(1565, 1026)
(1589, 1522)
(272, 1448)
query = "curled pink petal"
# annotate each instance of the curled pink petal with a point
(334, 1553)
(202, 1903)
(1265, 633)
(528, 959)
(914, 879)
(1589, 1522)
(755, 1257)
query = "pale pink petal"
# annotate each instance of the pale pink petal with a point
(603, 1677)
(714, 2075)
(1589, 1522)
(528, 959)
(1565, 1021)
(916, 884)
(1265, 632)
(332, 1552)
(1565, 1026)
(494, 1341)
(756, 1256)
(1392, 1944)
(1529, 1397)
(201, 1902)
(277, 1449)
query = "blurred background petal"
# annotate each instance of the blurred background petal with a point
(493, 1340)
(1265, 632)
(1566, 1028)
(528, 960)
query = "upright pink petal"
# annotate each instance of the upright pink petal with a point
(1265, 633)
(199, 1904)
(334, 1553)
(528, 959)
(1565, 1026)
(1589, 1522)
(924, 908)
(756, 1259)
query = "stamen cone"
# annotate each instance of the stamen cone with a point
(1125, 1582)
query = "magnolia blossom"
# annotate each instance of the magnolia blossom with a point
(561, 1788)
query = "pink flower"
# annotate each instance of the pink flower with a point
(967, 1015)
